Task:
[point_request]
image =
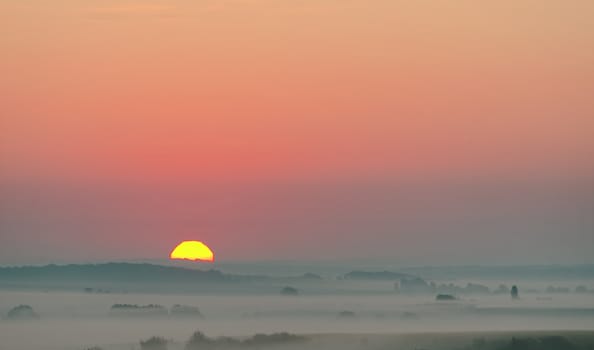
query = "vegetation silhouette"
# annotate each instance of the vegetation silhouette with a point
(124, 272)
(445, 297)
(514, 292)
(311, 276)
(185, 311)
(274, 338)
(376, 275)
(289, 291)
(199, 341)
(138, 310)
(516, 343)
(22, 312)
(154, 343)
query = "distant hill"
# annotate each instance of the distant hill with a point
(113, 272)
(376, 275)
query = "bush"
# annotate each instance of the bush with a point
(154, 343)
(138, 310)
(184, 310)
(274, 338)
(544, 343)
(445, 297)
(198, 341)
(289, 291)
(227, 342)
(137, 307)
(22, 312)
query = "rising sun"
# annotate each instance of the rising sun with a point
(192, 250)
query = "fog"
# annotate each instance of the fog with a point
(330, 312)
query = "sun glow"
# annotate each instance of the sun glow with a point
(192, 250)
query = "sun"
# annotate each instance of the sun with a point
(192, 250)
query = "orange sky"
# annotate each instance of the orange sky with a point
(162, 95)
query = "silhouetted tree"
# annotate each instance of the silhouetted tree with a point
(153, 343)
(445, 297)
(185, 310)
(289, 291)
(544, 343)
(413, 285)
(198, 341)
(514, 292)
(274, 338)
(311, 276)
(581, 289)
(138, 310)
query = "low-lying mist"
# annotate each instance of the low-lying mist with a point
(80, 307)
(88, 319)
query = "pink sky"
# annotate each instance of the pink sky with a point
(416, 130)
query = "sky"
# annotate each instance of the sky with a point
(425, 132)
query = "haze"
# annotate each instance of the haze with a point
(373, 175)
(425, 132)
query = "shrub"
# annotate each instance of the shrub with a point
(138, 310)
(541, 343)
(274, 338)
(153, 343)
(445, 297)
(289, 291)
(227, 342)
(22, 312)
(184, 310)
(198, 341)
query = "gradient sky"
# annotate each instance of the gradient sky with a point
(419, 131)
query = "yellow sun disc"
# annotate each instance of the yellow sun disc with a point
(192, 250)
